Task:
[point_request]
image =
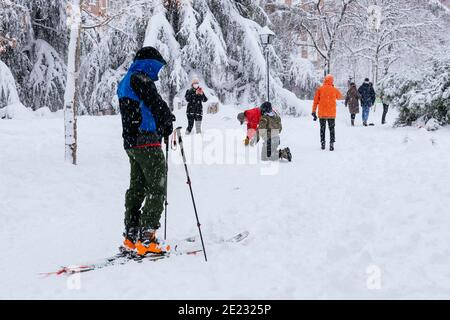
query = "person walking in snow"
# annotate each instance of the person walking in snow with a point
(352, 102)
(146, 119)
(385, 102)
(252, 117)
(195, 98)
(325, 100)
(269, 131)
(368, 98)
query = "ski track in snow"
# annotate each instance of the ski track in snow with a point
(315, 227)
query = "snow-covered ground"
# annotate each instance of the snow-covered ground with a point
(373, 214)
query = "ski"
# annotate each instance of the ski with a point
(239, 237)
(117, 260)
(236, 238)
(124, 256)
(156, 257)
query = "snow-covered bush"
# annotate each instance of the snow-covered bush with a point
(301, 77)
(8, 90)
(420, 94)
(15, 111)
(10, 105)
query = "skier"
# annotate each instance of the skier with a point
(325, 100)
(367, 99)
(146, 119)
(252, 116)
(352, 102)
(269, 130)
(195, 97)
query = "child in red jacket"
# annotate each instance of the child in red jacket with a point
(252, 116)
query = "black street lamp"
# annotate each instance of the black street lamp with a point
(266, 35)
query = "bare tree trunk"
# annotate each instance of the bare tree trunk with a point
(328, 71)
(72, 85)
(172, 7)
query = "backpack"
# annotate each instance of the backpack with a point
(270, 123)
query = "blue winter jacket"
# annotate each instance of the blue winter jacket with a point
(145, 115)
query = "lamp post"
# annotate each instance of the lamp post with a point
(266, 35)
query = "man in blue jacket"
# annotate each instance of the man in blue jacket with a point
(146, 120)
(367, 99)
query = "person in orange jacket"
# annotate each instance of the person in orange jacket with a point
(325, 100)
(252, 116)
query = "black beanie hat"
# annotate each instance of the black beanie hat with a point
(147, 53)
(266, 107)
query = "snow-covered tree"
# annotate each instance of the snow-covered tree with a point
(420, 95)
(37, 57)
(160, 34)
(47, 80)
(405, 27)
(301, 76)
(298, 73)
(323, 21)
(217, 41)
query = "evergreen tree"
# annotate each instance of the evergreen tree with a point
(420, 95)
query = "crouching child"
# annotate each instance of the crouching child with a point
(252, 117)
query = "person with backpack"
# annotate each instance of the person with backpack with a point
(269, 131)
(368, 98)
(146, 120)
(195, 98)
(325, 100)
(352, 102)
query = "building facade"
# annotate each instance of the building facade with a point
(97, 7)
(307, 49)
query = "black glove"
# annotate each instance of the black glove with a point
(167, 130)
(167, 127)
(314, 116)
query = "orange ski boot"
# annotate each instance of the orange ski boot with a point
(129, 242)
(150, 244)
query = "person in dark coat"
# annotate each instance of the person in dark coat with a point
(368, 98)
(195, 98)
(385, 111)
(146, 120)
(352, 101)
(385, 102)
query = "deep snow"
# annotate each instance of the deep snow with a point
(316, 226)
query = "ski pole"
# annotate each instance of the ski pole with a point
(180, 141)
(166, 141)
